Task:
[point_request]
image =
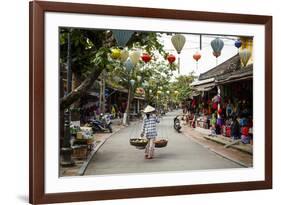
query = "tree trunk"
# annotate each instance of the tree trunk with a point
(66, 101)
(75, 115)
(128, 107)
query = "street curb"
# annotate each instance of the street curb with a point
(220, 154)
(214, 139)
(83, 168)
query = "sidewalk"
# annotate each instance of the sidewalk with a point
(81, 165)
(239, 153)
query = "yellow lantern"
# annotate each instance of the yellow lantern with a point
(115, 53)
(245, 55)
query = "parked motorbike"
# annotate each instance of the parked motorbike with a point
(177, 125)
(102, 125)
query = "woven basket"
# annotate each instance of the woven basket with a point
(161, 143)
(138, 142)
(80, 151)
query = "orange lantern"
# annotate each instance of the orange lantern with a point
(197, 57)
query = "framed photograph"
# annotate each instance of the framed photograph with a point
(130, 102)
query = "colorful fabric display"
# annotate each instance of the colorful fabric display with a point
(243, 122)
(215, 106)
(219, 121)
(245, 139)
(245, 131)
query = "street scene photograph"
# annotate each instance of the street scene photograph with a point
(144, 102)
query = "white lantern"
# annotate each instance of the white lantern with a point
(135, 57)
(124, 55)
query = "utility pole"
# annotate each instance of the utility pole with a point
(66, 149)
(102, 93)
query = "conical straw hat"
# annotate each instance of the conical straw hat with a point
(149, 109)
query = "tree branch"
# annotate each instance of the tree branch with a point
(69, 99)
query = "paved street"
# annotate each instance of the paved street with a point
(117, 156)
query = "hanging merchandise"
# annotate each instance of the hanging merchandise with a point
(122, 37)
(178, 42)
(115, 53)
(146, 57)
(219, 121)
(197, 57)
(245, 55)
(171, 58)
(217, 45)
(215, 106)
(128, 65)
(124, 54)
(135, 56)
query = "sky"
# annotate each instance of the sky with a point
(207, 60)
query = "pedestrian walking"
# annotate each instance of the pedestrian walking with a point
(149, 130)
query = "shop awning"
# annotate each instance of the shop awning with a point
(201, 82)
(205, 87)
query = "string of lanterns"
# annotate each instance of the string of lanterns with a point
(130, 59)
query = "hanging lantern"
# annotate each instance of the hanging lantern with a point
(132, 82)
(168, 92)
(122, 37)
(124, 54)
(128, 65)
(178, 42)
(146, 57)
(217, 45)
(139, 78)
(216, 54)
(176, 92)
(159, 92)
(238, 43)
(171, 58)
(135, 56)
(150, 91)
(197, 57)
(145, 84)
(245, 56)
(115, 53)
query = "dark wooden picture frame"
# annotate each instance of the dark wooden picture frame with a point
(37, 96)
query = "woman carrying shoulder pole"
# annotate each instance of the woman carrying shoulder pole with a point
(149, 130)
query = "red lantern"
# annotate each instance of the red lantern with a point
(216, 54)
(146, 57)
(171, 58)
(197, 56)
(220, 111)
